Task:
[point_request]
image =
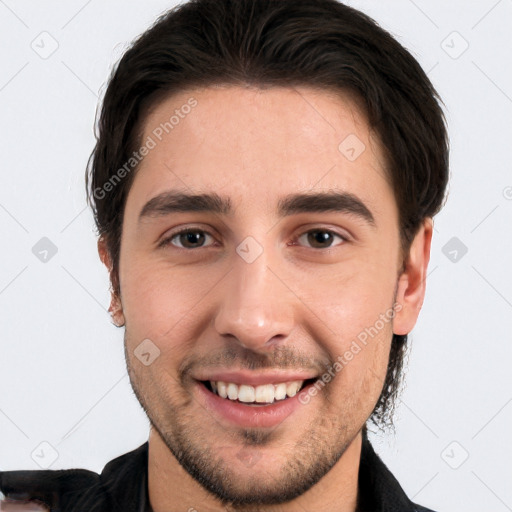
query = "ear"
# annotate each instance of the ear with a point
(116, 307)
(412, 282)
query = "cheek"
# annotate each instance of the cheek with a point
(349, 300)
(362, 369)
(365, 358)
(159, 300)
(356, 305)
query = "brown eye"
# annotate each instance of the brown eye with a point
(321, 238)
(188, 239)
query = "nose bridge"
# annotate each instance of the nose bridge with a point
(255, 306)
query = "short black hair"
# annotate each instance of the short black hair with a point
(278, 43)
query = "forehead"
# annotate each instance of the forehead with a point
(254, 145)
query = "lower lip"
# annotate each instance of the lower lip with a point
(243, 415)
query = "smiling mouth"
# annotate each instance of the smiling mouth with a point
(262, 395)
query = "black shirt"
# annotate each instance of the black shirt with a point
(122, 486)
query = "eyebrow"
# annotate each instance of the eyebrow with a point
(170, 202)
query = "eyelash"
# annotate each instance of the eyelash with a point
(168, 241)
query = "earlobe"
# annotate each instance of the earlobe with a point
(412, 282)
(116, 308)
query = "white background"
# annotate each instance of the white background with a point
(62, 372)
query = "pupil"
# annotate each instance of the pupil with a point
(318, 238)
(193, 238)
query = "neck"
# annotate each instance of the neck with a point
(172, 488)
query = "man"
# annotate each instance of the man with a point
(263, 183)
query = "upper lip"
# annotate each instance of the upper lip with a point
(254, 378)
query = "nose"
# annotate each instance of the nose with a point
(256, 306)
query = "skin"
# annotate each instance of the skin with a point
(298, 305)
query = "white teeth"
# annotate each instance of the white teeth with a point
(293, 387)
(280, 391)
(232, 391)
(264, 394)
(245, 393)
(221, 389)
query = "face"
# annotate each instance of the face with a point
(260, 260)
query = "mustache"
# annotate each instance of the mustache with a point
(282, 358)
